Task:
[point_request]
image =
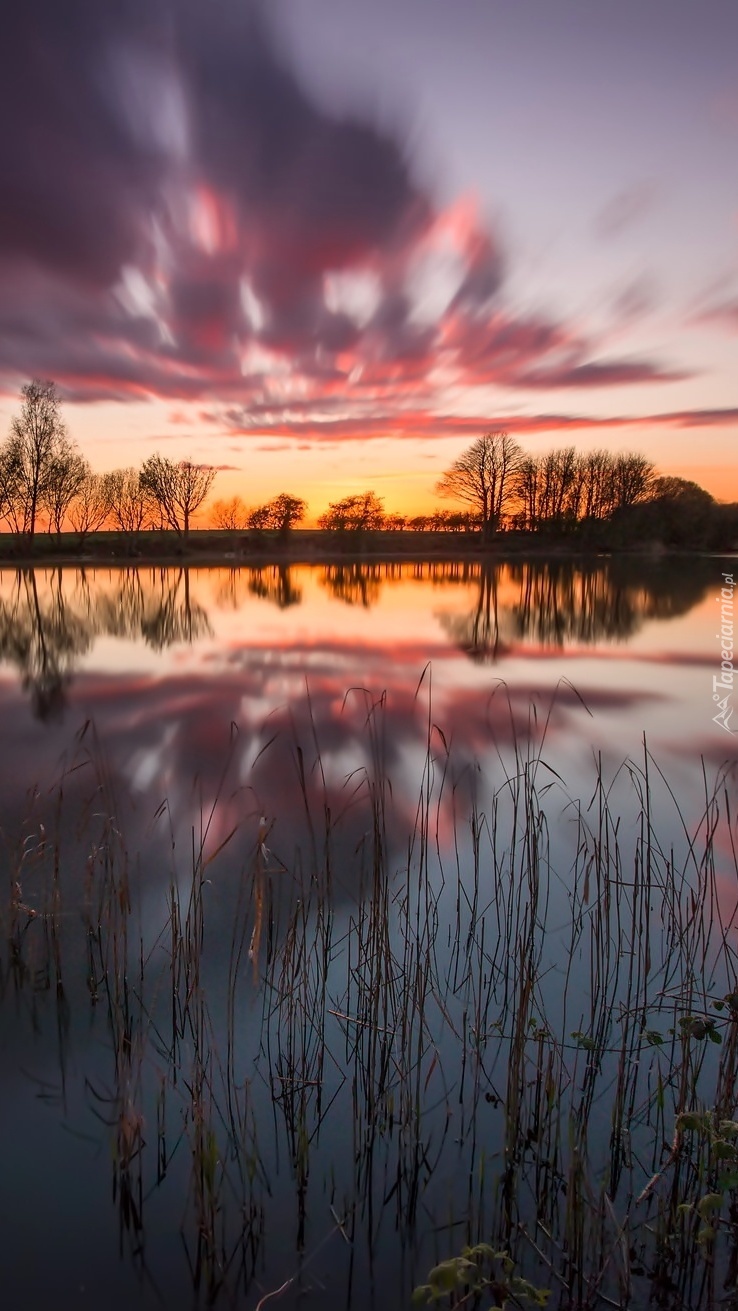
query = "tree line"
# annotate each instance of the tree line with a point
(46, 481)
(563, 491)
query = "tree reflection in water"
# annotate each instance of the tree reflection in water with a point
(555, 603)
(355, 584)
(50, 618)
(273, 583)
(42, 635)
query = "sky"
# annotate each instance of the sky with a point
(325, 244)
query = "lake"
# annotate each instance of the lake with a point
(358, 914)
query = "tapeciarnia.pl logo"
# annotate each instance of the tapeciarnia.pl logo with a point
(722, 687)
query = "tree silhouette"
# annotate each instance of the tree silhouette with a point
(363, 512)
(178, 490)
(67, 473)
(92, 504)
(36, 454)
(230, 516)
(131, 506)
(285, 511)
(483, 476)
(677, 513)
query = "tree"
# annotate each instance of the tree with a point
(231, 516)
(281, 514)
(285, 511)
(676, 513)
(92, 504)
(549, 489)
(130, 507)
(37, 444)
(7, 483)
(260, 518)
(598, 492)
(633, 476)
(483, 477)
(67, 473)
(178, 490)
(360, 513)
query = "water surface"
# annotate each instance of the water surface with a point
(346, 750)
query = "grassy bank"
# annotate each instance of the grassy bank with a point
(302, 546)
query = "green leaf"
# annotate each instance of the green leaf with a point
(422, 1295)
(583, 1041)
(690, 1120)
(483, 1250)
(692, 1026)
(710, 1202)
(523, 1288)
(447, 1276)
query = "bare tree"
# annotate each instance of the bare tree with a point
(633, 476)
(92, 504)
(37, 441)
(597, 497)
(130, 508)
(549, 489)
(483, 477)
(178, 490)
(232, 516)
(67, 473)
(8, 476)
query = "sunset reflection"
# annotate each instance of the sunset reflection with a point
(165, 661)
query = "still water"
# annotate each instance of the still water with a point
(280, 1072)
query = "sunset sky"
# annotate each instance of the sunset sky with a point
(323, 244)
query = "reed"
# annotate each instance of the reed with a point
(494, 1036)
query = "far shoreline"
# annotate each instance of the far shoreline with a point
(211, 549)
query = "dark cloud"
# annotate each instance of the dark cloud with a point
(173, 206)
(335, 424)
(75, 186)
(598, 373)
